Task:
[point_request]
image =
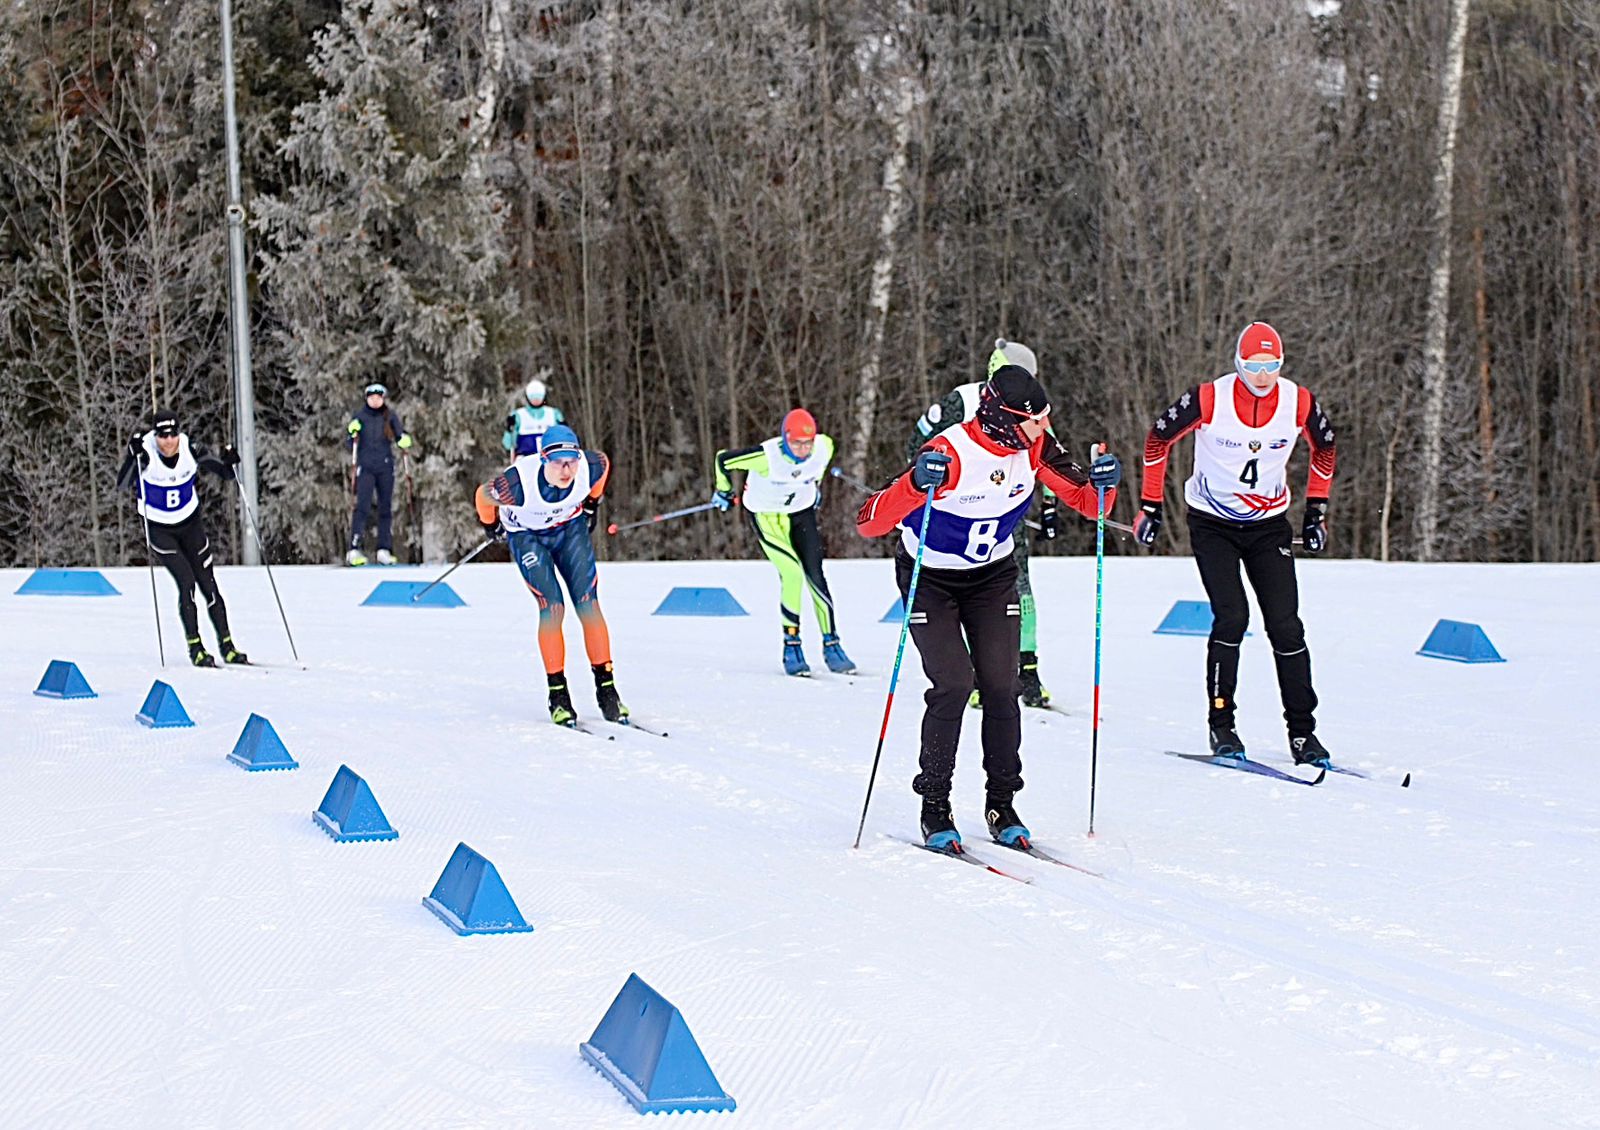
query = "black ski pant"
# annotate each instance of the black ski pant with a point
(377, 480)
(185, 551)
(1263, 548)
(967, 627)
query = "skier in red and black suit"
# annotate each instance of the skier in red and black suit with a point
(965, 619)
(1245, 425)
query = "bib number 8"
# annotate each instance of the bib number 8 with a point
(174, 499)
(981, 541)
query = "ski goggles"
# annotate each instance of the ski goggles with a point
(1261, 366)
(377, 390)
(556, 451)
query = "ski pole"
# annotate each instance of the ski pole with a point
(255, 528)
(839, 473)
(416, 596)
(150, 559)
(894, 676)
(687, 510)
(1099, 592)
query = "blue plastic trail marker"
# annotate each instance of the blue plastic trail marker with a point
(62, 679)
(67, 582)
(1187, 618)
(350, 813)
(471, 898)
(648, 1053)
(1461, 642)
(259, 747)
(400, 594)
(161, 709)
(682, 601)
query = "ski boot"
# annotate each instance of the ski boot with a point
(1033, 694)
(1308, 751)
(794, 660)
(938, 827)
(838, 662)
(1004, 824)
(1226, 743)
(231, 653)
(561, 712)
(385, 557)
(605, 694)
(198, 655)
(355, 557)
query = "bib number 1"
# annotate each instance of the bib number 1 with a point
(981, 541)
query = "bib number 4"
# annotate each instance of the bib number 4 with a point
(1251, 474)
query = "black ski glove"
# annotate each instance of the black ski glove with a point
(590, 507)
(1147, 523)
(1049, 520)
(493, 531)
(1314, 534)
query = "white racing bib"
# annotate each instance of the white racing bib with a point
(971, 525)
(535, 513)
(787, 487)
(166, 494)
(1239, 471)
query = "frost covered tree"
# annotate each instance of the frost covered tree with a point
(383, 263)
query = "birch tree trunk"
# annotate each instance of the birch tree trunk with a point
(1435, 369)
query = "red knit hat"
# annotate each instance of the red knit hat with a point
(799, 425)
(1258, 337)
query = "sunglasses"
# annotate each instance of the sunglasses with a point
(1261, 366)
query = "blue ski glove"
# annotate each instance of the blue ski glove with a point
(1314, 534)
(722, 500)
(929, 471)
(1105, 472)
(1147, 523)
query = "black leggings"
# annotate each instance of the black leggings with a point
(1264, 550)
(186, 552)
(967, 627)
(373, 481)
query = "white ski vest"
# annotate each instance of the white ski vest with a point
(535, 513)
(1239, 471)
(166, 494)
(532, 423)
(971, 525)
(787, 487)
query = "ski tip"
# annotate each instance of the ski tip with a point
(1321, 773)
(1406, 783)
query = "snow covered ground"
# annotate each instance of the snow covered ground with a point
(181, 946)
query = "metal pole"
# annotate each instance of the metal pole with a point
(239, 312)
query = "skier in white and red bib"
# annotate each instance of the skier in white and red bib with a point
(966, 619)
(1245, 426)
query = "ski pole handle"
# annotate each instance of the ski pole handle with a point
(667, 517)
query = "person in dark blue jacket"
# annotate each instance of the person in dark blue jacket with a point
(372, 429)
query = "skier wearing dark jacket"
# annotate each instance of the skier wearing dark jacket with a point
(373, 427)
(164, 466)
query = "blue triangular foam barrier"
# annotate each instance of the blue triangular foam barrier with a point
(1187, 618)
(646, 1049)
(682, 601)
(63, 680)
(259, 747)
(410, 594)
(896, 613)
(471, 898)
(67, 582)
(1460, 641)
(161, 709)
(349, 812)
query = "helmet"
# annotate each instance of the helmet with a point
(1257, 337)
(535, 392)
(375, 389)
(560, 442)
(1010, 396)
(1012, 353)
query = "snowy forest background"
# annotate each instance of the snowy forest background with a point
(698, 214)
